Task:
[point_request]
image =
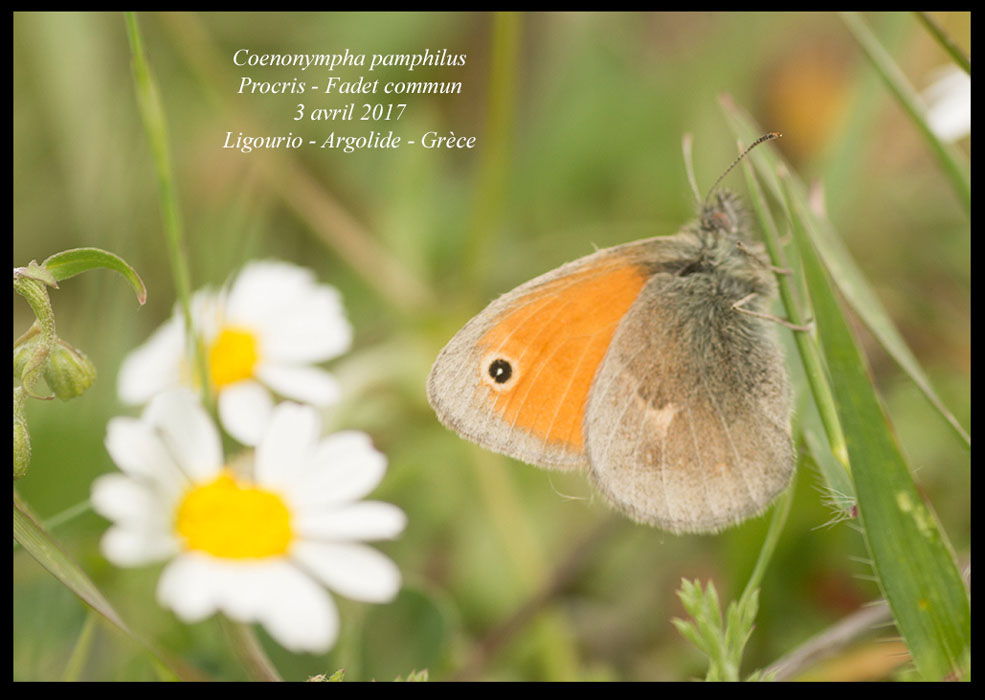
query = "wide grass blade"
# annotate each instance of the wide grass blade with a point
(912, 558)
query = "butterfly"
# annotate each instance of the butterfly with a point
(652, 366)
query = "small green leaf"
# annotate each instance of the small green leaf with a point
(689, 632)
(722, 645)
(69, 263)
(336, 677)
(413, 677)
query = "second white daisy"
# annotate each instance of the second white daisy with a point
(262, 333)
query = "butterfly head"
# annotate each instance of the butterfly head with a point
(724, 214)
(727, 247)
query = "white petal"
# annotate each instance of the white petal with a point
(155, 365)
(295, 610)
(369, 520)
(129, 502)
(244, 409)
(195, 585)
(288, 445)
(353, 570)
(266, 289)
(302, 617)
(313, 329)
(242, 587)
(345, 467)
(134, 547)
(188, 585)
(187, 433)
(138, 451)
(308, 384)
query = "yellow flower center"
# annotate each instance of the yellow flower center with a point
(232, 357)
(233, 521)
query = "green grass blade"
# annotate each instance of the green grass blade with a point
(953, 162)
(39, 544)
(946, 42)
(82, 649)
(912, 558)
(850, 281)
(832, 458)
(155, 125)
(806, 346)
(47, 553)
(492, 176)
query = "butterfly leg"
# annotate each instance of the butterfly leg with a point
(737, 306)
(778, 270)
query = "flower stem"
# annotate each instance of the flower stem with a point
(780, 513)
(36, 294)
(249, 650)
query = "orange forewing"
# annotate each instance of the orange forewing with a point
(557, 335)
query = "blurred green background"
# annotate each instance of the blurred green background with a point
(579, 119)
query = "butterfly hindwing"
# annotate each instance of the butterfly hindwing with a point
(684, 431)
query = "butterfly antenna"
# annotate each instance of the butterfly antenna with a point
(765, 137)
(689, 166)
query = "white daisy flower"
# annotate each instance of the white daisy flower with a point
(261, 333)
(257, 548)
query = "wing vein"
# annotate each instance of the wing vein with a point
(728, 436)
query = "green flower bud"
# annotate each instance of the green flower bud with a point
(68, 372)
(30, 357)
(22, 447)
(25, 348)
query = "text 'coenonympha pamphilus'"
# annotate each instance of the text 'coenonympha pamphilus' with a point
(645, 364)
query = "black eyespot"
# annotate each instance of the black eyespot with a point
(500, 371)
